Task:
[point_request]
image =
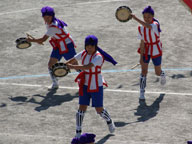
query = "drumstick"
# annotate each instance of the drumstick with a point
(30, 36)
(135, 66)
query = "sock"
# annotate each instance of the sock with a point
(53, 78)
(105, 115)
(162, 73)
(79, 120)
(142, 82)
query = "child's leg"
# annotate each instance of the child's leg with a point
(158, 70)
(143, 79)
(53, 61)
(79, 119)
(105, 115)
(161, 73)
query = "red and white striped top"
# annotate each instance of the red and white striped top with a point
(151, 37)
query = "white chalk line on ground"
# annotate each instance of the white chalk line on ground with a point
(30, 135)
(84, 3)
(107, 90)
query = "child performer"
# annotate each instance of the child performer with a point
(91, 81)
(61, 41)
(150, 47)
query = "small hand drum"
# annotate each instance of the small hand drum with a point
(60, 70)
(123, 14)
(22, 43)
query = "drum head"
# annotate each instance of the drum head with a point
(22, 43)
(60, 72)
(123, 14)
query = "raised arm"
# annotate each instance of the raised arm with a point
(141, 22)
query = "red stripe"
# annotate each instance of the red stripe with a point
(90, 75)
(145, 36)
(83, 57)
(151, 41)
(157, 39)
(146, 46)
(139, 28)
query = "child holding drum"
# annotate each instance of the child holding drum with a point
(61, 41)
(91, 81)
(150, 47)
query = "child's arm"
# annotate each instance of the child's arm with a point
(39, 41)
(141, 22)
(82, 67)
(71, 61)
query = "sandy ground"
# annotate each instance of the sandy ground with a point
(30, 114)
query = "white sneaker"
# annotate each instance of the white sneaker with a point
(54, 86)
(163, 78)
(142, 95)
(111, 127)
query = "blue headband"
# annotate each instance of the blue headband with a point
(87, 138)
(92, 40)
(148, 9)
(84, 138)
(49, 11)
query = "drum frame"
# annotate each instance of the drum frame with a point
(123, 7)
(60, 66)
(22, 40)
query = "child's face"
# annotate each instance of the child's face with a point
(148, 18)
(90, 49)
(47, 19)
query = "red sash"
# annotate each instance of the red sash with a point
(55, 43)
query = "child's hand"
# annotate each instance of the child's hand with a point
(70, 66)
(133, 16)
(29, 39)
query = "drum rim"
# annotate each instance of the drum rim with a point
(54, 68)
(121, 7)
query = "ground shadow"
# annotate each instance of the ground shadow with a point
(178, 76)
(3, 105)
(122, 124)
(50, 100)
(104, 139)
(147, 112)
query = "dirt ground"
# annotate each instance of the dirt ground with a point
(30, 114)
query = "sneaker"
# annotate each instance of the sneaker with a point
(142, 95)
(54, 86)
(111, 127)
(163, 78)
